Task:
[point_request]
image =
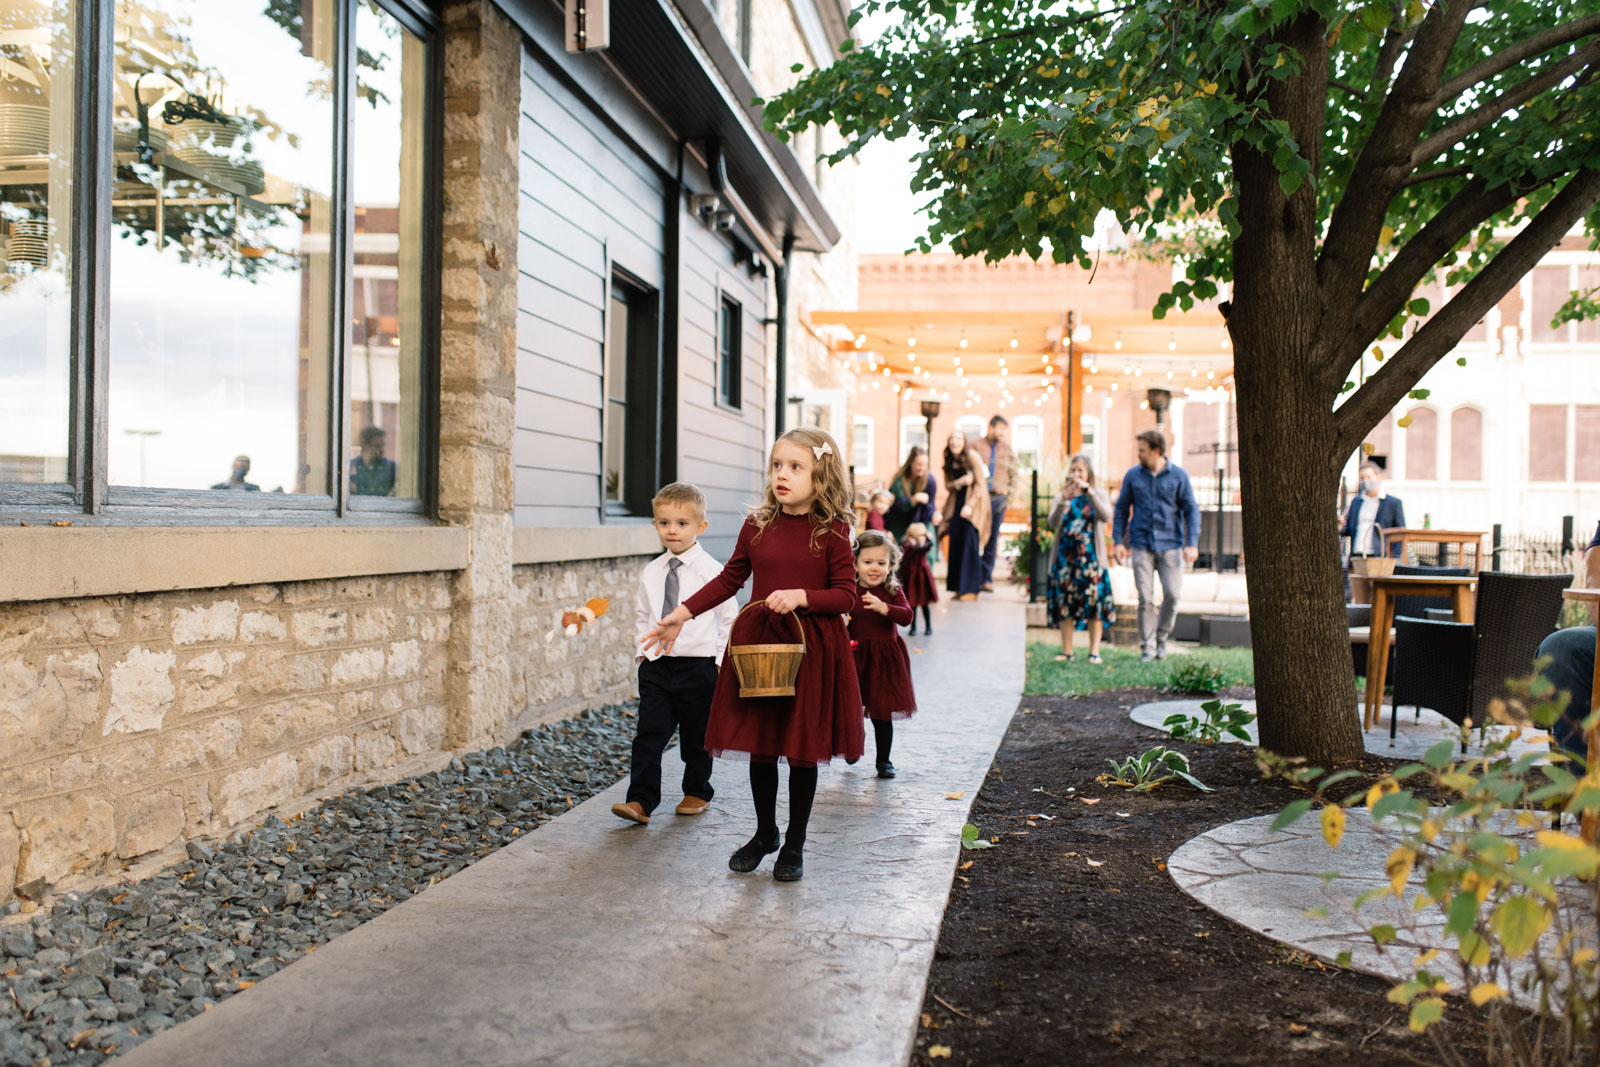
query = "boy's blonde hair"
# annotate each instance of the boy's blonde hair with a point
(834, 500)
(917, 529)
(880, 494)
(683, 495)
(878, 539)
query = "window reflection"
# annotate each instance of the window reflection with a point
(220, 278)
(36, 129)
(387, 155)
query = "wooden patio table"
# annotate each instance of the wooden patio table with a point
(1405, 535)
(1591, 597)
(1385, 587)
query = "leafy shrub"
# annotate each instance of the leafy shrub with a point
(1150, 768)
(1193, 675)
(1521, 901)
(1220, 719)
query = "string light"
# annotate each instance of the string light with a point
(1113, 387)
(1169, 376)
(861, 340)
(1138, 372)
(1210, 374)
(911, 342)
(1094, 368)
(1013, 340)
(886, 372)
(1118, 345)
(958, 361)
(875, 383)
(963, 339)
(1002, 361)
(1144, 405)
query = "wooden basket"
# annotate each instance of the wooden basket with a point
(768, 670)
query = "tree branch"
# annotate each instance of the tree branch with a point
(1359, 94)
(1385, 160)
(1423, 176)
(1389, 55)
(1438, 143)
(1538, 44)
(1357, 415)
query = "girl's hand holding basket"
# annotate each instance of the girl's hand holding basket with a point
(784, 601)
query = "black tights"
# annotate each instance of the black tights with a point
(802, 791)
(883, 734)
(927, 618)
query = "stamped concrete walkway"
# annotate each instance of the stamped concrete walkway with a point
(1415, 732)
(592, 941)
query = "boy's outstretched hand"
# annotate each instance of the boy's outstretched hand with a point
(665, 633)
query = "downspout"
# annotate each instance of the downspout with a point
(781, 358)
(667, 382)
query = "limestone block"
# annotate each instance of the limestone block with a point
(150, 821)
(307, 672)
(213, 744)
(147, 619)
(75, 771)
(355, 588)
(392, 698)
(62, 835)
(209, 682)
(324, 626)
(127, 765)
(373, 624)
(297, 593)
(422, 729)
(359, 666)
(326, 761)
(261, 626)
(291, 721)
(198, 815)
(141, 691)
(375, 749)
(100, 619)
(405, 658)
(250, 790)
(20, 627)
(218, 622)
(49, 712)
(10, 849)
(263, 594)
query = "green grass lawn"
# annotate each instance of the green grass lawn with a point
(1122, 669)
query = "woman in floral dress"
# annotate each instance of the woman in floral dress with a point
(1080, 584)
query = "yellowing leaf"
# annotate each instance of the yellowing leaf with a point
(965, 865)
(1518, 922)
(1147, 108)
(1556, 839)
(1403, 421)
(1426, 958)
(1333, 825)
(1057, 205)
(961, 140)
(939, 1052)
(1367, 448)
(883, 90)
(1208, 88)
(1398, 868)
(956, 795)
(1385, 235)
(1381, 789)
(1484, 992)
(1430, 829)
(1425, 1010)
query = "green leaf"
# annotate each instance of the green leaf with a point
(969, 832)
(1382, 933)
(1291, 813)
(1518, 922)
(1289, 181)
(1463, 913)
(1192, 780)
(1418, 307)
(1336, 776)
(1439, 753)
(1424, 1011)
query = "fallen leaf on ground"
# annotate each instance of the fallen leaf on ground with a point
(1296, 1028)
(1046, 818)
(965, 865)
(919, 651)
(955, 796)
(246, 985)
(938, 1052)
(1122, 814)
(1090, 800)
(1070, 855)
(1096, 863)
(927, 1021)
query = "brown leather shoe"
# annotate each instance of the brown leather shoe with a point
(692, 806)
(632, 811)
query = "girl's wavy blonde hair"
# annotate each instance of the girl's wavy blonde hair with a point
(878, 539)
(834, 501)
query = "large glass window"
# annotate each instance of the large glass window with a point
(37, 69)
(730, 353)
(386, 157)
(632, 430)
(220, 282)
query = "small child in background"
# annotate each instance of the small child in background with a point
(675, 687)
(883, 665)
(916, 576)
(881, 501)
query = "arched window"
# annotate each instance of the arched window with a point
(913, 434)
(974, 426)
(1027, 441)
(1089, 435)
(1466, 445)
(861, 442)
(1422, 445)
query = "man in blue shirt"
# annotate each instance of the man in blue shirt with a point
(1158, 519)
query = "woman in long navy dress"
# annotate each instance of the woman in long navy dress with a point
(966, 512)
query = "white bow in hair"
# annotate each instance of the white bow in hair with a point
(821, 450)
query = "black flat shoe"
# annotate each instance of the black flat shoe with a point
(790, 864)
(885, 770)
(852, 762)
(748, 857)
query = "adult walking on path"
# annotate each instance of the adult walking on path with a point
(1003, 474)
(914, 490)
(577, 946)
(1157, 523)
(1079, 592)
(967, 517)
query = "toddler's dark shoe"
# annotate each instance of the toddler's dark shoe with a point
(886, 770)
(749, 855)
(790, 864)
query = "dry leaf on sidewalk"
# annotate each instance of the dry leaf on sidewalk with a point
(938, 1052)
(955, 796)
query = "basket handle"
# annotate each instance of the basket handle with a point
(792, 615)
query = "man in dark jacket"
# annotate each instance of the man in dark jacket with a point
(1370, 513)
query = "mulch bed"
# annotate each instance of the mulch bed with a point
(1046, 959)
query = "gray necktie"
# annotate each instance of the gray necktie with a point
(670, 599)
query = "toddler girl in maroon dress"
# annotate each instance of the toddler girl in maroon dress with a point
(797, 547)
(883, 666)
(916, 577)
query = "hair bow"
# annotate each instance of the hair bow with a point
(824, 449)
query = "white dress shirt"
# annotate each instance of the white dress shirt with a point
(704, 635)
(1366, 540)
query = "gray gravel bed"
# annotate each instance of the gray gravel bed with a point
(100, 971)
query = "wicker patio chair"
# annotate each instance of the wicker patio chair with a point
(1359, 616)
(1457, 668)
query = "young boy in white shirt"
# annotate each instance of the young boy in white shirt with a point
(675, 690)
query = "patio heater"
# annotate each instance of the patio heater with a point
(930, 411)
(1159, 400)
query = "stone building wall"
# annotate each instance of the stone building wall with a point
(128, 724)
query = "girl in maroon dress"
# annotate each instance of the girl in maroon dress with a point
(883, 666)
(797, 547)
(916, 576)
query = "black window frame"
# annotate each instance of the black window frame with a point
(730, 352)
(642, 400)
(86, 498)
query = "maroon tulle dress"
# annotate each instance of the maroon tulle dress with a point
(883, 666)
(822, 719)
(875, 521)
(916, 577)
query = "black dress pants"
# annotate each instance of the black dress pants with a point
(674, 694)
